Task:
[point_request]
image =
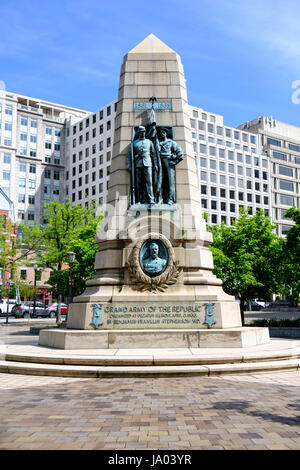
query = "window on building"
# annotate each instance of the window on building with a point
(271, 141)
(285, 170)
(32, 168)
(287, 200)
(213, 204)
(213, 191)
(286, 185)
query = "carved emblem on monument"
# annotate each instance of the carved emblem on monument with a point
(152, 264)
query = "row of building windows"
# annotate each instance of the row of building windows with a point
(108, 142)
(232, 194)
(219, 130)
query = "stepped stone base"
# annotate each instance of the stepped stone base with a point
(141, 339)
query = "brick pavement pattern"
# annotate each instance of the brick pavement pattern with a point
(194, 413)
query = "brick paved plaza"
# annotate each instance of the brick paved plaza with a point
(231, 412)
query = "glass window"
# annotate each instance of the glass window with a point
(231, 168)
(230, 155)
(271, 141)
(213, 205)
(33, 123)
(222, 179)
(8, 109)
(21, 198)
(297, 160)
(286, 185)
(212, 164)
(204, 203)
(294, 147)
(23, 136)
(286, 229)
(223, 206)
(248, 159)
(253, 139)
(219, 130)
(212, 151)
(286, 200)
(203, 175)
(203, 189)
(31, 184)
(32, 168)
(222, 166)
(210, 128)
(240, 170)
(22, 182)
(24, 121)
(201, 125)
(213, 191)
(222, 192)
(228, 132)
(7, 158)
(279, 155)
(203, 162)
(285, 170)
(231, 194)
(213, 177)
(202, 148)
(221, 153)
(6, 175)
(239, 157)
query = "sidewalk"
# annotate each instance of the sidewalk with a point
(187, 413)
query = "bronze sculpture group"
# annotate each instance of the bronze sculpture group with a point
(151, 159)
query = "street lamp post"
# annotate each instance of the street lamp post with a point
(71, 256)
(35, 267)
(7, 305)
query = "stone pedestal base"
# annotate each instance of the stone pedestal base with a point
(148, 339)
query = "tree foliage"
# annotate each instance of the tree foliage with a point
(69, 228)
(246, 257)
(292, 256)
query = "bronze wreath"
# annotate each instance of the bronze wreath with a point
(141, 280)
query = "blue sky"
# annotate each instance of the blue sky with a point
(240, 57)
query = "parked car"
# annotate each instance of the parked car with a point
(279, 304)
(52, 309)
(255, 307)
(25, 309)
(3, 305)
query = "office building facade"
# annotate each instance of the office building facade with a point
(281, 143)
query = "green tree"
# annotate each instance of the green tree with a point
(85, 250)
(247, 256)
(292, 255)
(16, 244)
(67, 229)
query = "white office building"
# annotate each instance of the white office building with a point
(32, 152)
(281, 143)
(233, 172)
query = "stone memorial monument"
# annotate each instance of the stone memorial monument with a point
(154, 285)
